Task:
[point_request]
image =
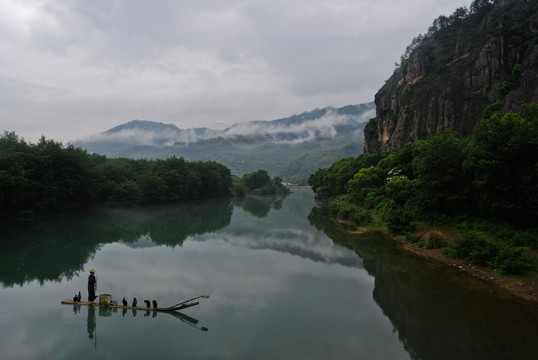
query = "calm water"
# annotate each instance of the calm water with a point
(280, 286)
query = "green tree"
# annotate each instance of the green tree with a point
(256, 179)
(503, 159)
(441, 182)
(365, 181)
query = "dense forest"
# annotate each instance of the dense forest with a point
(48, 177)
(485, 184)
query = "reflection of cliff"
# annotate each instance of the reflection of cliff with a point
(437, 318)
(440, 313)
(56, 247)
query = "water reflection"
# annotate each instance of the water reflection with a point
(103, 312)
(90, 321)
(57, 247)
(439, 312)
(279, 289)
(259, 206)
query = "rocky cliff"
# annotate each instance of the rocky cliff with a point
(476, 57)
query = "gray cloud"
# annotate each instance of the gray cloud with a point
(71, 68)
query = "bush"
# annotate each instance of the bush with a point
(346, 210)
(476, 248)
(511, 261)
(412, 238)
(436, 240)
(525, 238)
(399, 222)
(360, 216)
(481, 249)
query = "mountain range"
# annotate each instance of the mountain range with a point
(292, 147)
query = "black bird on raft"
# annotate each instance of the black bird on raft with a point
(134, 302)
(79, 296)
(155, 304)
(124, 302)
(75, 298)
(147, 303)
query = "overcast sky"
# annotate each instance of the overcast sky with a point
(74, 68)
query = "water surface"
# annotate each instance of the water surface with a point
(282, 285)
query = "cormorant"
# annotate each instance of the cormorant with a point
(155, 304)
(147, 303)
(134, 302)
(79, 296)
(124, 301)
(75, 297)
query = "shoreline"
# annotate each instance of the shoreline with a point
(523, 287)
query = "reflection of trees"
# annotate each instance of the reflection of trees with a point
(56, 247)
(259, 206)
(171, 225)
(439, 313)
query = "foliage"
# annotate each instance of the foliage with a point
(435, 240)
(482, 249)
(367, 181)
(441, 183)
(260, 182)
(503, 161)
(346, 210)
(399, 221)
(334, 180)
(43, 177)
(444, 25)
(491, 177)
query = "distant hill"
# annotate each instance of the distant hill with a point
(292, 147)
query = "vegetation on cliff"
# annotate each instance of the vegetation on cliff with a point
(489, 178)
(446, 77)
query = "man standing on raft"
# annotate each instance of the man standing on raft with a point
(92, 286)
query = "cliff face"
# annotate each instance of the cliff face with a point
(466, 64)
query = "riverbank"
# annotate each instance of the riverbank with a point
(523, 286)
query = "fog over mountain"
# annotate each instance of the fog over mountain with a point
(291, 147)
(320, 123)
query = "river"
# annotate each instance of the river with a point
(282, 285)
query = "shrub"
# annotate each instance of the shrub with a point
(511, 261)
(480, 249)
(399, 222)
(475, 247)
(412, 238)
(345, 209)
(360, 216)
(435, 240)
(525, 238)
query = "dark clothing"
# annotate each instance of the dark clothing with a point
(91, 287)
(91, 293)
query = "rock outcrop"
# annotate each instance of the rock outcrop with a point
(488, 55)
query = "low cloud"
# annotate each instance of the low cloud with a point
(279, 132)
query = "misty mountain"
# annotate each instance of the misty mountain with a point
(292, 147)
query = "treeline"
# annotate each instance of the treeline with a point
(489, 178)
(47, 177)
(258, 183)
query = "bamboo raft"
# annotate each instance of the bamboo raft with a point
(182, 305)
